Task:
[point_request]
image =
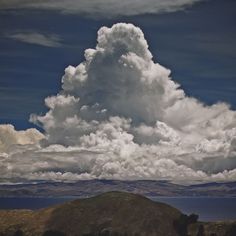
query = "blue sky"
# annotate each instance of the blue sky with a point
(119, 115)
(198, 44)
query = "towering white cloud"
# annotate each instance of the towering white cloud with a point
(101, 8)
(120, 115)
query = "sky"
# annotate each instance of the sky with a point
(178, 103)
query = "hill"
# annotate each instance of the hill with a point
(109, 214)
(113, 213)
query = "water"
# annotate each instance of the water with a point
(209, 209)
(32, 203)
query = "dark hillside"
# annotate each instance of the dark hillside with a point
(109, 214)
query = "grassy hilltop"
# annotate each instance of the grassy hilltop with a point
(109, 214)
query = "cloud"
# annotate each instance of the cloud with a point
(119, 115)
(10, 137)
(101, 8)
(36, 38)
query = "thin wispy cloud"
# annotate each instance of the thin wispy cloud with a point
(102, 8)
(46, 40)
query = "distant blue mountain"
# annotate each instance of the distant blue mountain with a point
(148, 188)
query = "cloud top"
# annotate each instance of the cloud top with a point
(10, 137)
(119, 115)
(102, 8)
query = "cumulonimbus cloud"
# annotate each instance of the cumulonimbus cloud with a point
(102, 8)
(119, 115)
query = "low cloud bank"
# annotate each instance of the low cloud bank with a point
(119, 115)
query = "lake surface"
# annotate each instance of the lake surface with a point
(209, 209)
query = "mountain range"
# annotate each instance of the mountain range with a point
(147, 188)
